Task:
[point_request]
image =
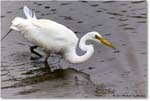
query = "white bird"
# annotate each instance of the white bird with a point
(52, 36)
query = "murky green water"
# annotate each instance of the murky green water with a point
(109, 73)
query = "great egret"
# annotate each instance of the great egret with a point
(52, 36)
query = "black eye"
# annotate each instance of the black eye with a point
(96, 36)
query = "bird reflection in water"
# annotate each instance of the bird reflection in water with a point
(49, 81)
(46, 74)
(56, 83)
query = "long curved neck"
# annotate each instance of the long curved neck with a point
(73, 57)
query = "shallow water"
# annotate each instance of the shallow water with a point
(109, 73)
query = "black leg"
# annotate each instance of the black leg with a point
(34, 52)
(46, 57)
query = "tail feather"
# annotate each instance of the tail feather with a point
(29, 14)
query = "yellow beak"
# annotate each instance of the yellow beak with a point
(104, 41)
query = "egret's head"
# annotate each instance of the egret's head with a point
(99, 38)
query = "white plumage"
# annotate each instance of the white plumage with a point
(52, 36)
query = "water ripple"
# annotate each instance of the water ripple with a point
(65, 3)
(135, 2)
(140, 17)
(129, 28)
(109, 1)
(116, 14)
